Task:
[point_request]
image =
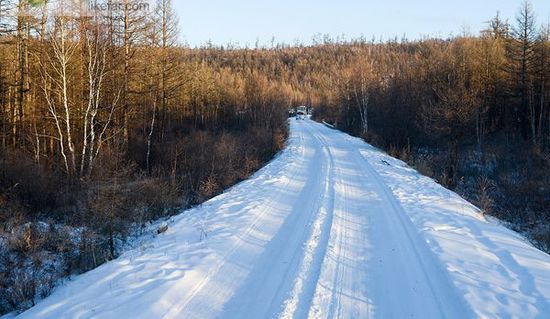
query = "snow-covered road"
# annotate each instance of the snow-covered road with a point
(332, 228)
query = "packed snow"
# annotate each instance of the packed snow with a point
(332, 228)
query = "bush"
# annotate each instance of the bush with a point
(31, 262)
(90, 219)
(484, 200)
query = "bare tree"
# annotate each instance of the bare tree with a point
(163, 35)
(542, 56)
(55, 86)
(361, 84)
(134, 25)
(93, 131)
(523, 52)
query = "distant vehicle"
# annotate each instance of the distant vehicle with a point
(291, 112)
(301, 112)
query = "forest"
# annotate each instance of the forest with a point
(105, 125)
(108, 123)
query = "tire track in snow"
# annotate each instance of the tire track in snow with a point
(271, 279)
(340, 290)
(442, 289)
(174, 312)
(399, 277)
(298, 303)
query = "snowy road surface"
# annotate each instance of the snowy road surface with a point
(332, 228)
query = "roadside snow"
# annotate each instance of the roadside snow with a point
(332, 228)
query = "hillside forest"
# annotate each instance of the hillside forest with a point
(108, 123)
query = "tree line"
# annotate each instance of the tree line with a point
(471, 111)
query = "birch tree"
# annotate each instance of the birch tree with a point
(362, 81)
(96, 68)
(54, 68)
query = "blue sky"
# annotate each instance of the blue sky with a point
(244, 21)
